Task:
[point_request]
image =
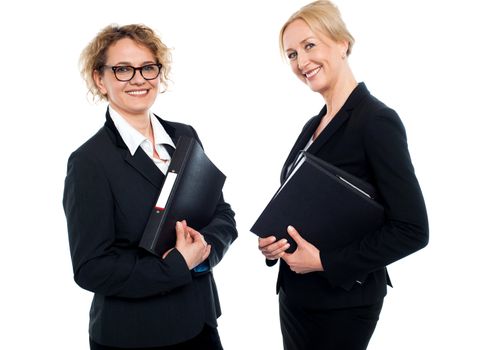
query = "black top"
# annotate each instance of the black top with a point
(366, 139)
(140, 300)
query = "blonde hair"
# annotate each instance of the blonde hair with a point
(94, 56)
(324, 17)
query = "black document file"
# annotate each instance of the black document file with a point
(329, 207)
(191, 191)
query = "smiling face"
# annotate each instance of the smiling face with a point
(315, 59)
(133, 98)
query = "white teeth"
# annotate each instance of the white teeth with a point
(140, 92)
(313, 72)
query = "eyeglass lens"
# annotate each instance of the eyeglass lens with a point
(126, 73)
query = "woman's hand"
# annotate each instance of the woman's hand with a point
(191, 244)
(271, 249)
(306, 258)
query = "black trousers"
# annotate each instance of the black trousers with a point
(331, 329)
(207, 339)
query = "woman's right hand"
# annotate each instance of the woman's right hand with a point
(271, 249)
(191, 245)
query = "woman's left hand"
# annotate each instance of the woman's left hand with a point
(306, 258)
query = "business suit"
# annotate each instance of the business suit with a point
(140, 300)
(368, 140)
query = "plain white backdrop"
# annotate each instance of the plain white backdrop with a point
(437, 63)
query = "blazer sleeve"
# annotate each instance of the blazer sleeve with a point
(101, 263)
(221, 231)
(405, 229)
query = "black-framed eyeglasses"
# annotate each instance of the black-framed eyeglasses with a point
(126, 73)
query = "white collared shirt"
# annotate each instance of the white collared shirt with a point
(134, 139)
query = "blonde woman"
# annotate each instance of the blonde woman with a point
(331, 297)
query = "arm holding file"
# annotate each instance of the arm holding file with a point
(406, 228)
(221, 231)
(100, 263)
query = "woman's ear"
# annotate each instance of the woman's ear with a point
(98, 80)
(345, 45)
(344, 48)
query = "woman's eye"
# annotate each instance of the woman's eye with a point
(292, 55)
(309, 46)
(123, 69)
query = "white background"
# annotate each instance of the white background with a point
(436, 62)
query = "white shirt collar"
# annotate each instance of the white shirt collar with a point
(160, 134)
(133, 138)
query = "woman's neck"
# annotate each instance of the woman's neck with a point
(338, 96)
(335, 99)
(142, 124)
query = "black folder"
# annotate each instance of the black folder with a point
(191, 191)
(329, 207)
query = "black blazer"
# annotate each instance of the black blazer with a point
(140, 300)
(368, 140)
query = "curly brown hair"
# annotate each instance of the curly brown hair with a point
(93, 57)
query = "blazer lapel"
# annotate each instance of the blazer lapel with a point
(329, 131)
(359, 93)
(140, 161)
(354, 99)
(302, 140)
(144, 165)
(170, 129)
